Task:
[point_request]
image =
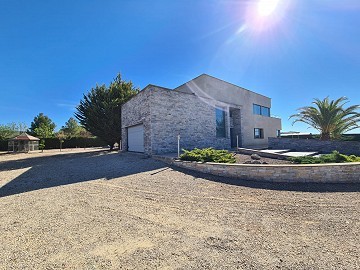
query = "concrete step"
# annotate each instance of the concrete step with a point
(299, 154)
(274, 153)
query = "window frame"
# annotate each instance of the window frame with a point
(263, 109)
(255, 108)
(260, 110)
(220, 131)
(261, 133)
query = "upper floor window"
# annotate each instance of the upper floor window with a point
(265, 111)
(220, 123)
(257, 109)
(261, 110)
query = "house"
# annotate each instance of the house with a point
(205, 112)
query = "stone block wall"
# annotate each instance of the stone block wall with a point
(317, 173)
(137, 111)
(344, 147)
(166, 114)
(174, 113)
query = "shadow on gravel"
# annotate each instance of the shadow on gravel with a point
(301, 187)
(52, 171)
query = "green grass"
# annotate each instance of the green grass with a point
(208, 155)
(334, 157)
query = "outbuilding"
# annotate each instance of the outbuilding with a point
(23, 143)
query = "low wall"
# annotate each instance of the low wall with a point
(318, 173)
(344, 147)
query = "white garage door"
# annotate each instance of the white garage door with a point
(136, 138)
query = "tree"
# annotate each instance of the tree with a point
(61, 137)
(11, 130)
(100, 110)
(21, 127)
(42, 126)
(8, 131)
(44, 131)
(71, 128)
(42, 145)
(331, 118)
(84, 133)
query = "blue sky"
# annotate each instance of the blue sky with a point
(51, 52)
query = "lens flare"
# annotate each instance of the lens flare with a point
(267, 7)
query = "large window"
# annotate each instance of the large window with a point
(257, 109)
(220, 123)
(258, 133)
(265, 111)
(261, 110)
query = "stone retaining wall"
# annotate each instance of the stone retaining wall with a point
(313, 145)
(319, 173)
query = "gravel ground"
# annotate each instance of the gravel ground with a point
(101, 210)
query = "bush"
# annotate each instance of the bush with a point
(42, 145)
(334, 157)
(208, 155)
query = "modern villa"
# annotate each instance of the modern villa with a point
(204, 112)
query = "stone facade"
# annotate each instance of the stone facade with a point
(344, 147)
(137, 112)
(174, 113)
(232, 96)
(167, 113)
(316, 173)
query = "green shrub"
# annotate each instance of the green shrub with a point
(42, 145)
(208, 155)
(352, 158)
(334, 157)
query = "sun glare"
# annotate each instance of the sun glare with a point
(267, 7)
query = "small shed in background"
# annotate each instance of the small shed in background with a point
(23, 143)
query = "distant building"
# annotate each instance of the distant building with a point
(295, 134)
(23, 143)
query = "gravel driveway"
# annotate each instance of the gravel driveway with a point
(101, 210)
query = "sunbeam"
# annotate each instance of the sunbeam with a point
(267, 7)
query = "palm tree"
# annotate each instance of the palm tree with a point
(329, 117)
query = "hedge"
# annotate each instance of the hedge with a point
(76, 142)
(344, 137)
(3, 145)
(54, 143)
